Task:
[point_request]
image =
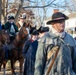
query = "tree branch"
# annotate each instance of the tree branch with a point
(39, 6)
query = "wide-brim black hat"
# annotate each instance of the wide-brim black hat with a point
(57, 16)
(43, 29)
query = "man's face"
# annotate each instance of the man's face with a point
(59, 25)
(11, 20)
(34, 37)
(21, 19)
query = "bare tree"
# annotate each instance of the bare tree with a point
(0, 9)
(19, 9)
(39, 7)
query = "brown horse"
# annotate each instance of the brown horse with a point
(17, 47)
(4, 39)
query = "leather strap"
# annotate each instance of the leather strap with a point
(51, 64)
(52, 52)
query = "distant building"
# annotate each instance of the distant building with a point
(71, 24)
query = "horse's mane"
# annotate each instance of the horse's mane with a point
(22, 35)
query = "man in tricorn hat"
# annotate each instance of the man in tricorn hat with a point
(29, 52)
(34, 36)
(42, 31)
(56, 52)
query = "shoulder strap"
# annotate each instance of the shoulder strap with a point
(51, 52)
(56, 48)
(54, 51)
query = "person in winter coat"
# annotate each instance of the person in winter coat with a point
(11, 27)
(56, 52)
(27, 52)
(30, 55)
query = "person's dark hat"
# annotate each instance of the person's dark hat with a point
(35, 32)
(10, 17)
(57, 16)
(32, 29)
(43, 29)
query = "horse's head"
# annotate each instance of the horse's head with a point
(5, 36)
(23, 33)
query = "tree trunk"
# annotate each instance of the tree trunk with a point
(19, 10)
(0, 9)
(5, 14)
